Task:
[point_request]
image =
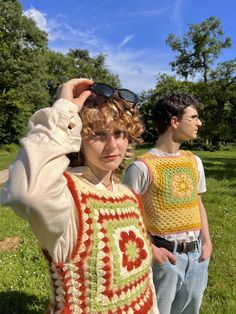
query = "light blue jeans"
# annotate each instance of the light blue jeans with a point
(180, 287)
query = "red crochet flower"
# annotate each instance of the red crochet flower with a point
(132, 248)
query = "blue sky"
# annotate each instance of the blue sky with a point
(131, 33)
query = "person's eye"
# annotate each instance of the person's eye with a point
(119, 134)
(100, 134)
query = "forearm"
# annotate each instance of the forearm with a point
(205, 233)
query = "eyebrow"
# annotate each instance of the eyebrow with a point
(110, 130)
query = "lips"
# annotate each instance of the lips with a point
(111, 157)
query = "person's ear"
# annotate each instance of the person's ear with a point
(174, 122)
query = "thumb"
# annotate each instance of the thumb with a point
(202, 258)
(172, 258)
(79, 101)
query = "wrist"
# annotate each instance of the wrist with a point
(207, 242)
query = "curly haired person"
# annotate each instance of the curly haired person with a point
(65, 183)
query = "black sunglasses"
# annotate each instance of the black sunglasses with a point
(102, 89)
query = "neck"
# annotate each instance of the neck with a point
(167, 144)
(103, 176)
(107, 182)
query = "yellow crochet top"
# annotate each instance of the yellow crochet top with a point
(171, 201)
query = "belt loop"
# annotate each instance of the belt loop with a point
(199, 245)
(175, 247)
(185, 248)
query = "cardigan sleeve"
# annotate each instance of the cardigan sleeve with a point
(37, 190)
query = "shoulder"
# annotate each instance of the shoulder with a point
(190, 154)
(199, 162)
(137, 166)
(137, 177)
(146, 156)
(186, 153)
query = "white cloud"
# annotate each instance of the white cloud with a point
(152, 12)
(55, 29)
(136, 69)
(49, 26)
(125, 41)
(176, 16)
(38, 17)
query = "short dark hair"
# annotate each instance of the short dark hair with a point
(171, 104)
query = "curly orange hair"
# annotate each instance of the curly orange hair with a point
(124, 117)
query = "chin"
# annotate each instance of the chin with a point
(112, 166)
(189, 139)
(192, 137)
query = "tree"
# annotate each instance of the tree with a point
(22, 46)
(77, 63)
(199, 48)
(60, 68)
(216, 89)
(22, 64)
(13, 117)
(218, 96)
(198, 51)
(218, 103)
(92, 67)
(31, 73)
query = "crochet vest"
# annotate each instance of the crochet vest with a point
(108, 271)
(171, 201)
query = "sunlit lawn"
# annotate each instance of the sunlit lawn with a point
(6, 158)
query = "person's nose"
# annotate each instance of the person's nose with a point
(111, 140)
(199, 122)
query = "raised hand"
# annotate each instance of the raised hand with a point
(75, 90)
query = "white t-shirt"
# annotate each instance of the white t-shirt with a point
(137, 177)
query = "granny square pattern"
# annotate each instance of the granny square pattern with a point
(171, 202)
(110, 265)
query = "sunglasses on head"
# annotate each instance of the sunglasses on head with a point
(101, 89)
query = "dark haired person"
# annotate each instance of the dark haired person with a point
(88, 224)
(170, 181)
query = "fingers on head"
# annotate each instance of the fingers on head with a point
(84, 95)
(82, 83)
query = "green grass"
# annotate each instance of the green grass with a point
(220, 202)
(6, 158)
(24, 280)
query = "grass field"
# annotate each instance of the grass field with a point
(24, 282)
(6, 159)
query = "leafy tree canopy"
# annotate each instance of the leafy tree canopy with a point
(199, 48)
(31, 73)
(198, 51)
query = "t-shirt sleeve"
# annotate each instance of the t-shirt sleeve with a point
(137, 177)
(201, 176)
